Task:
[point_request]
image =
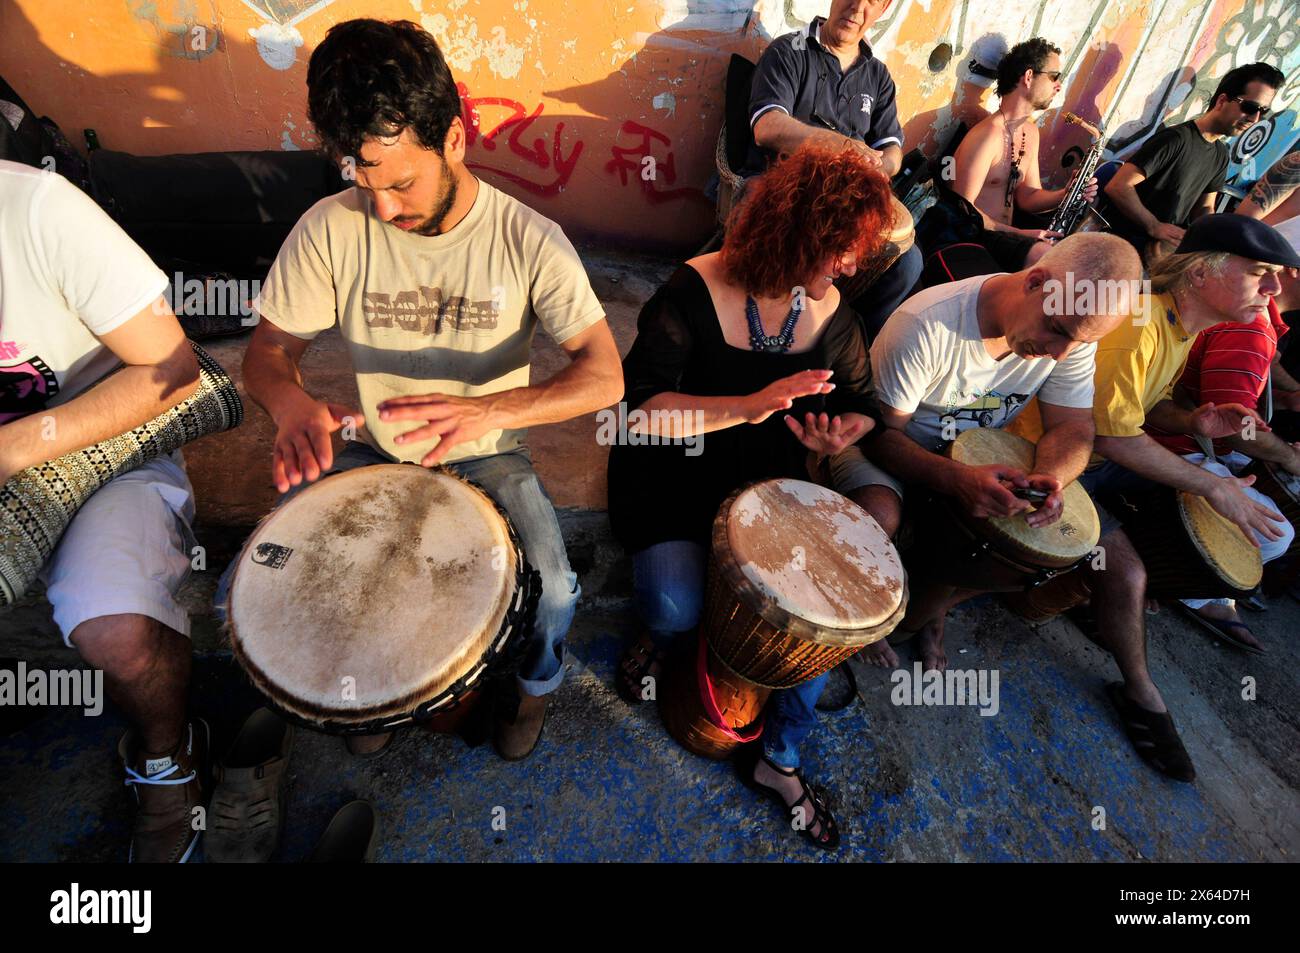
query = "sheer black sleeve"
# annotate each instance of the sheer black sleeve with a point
(661, 351)
(847, 356)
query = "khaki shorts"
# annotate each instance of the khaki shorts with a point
(851, 470)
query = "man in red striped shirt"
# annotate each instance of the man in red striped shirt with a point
(1229, 364)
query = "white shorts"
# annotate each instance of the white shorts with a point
(127, 550)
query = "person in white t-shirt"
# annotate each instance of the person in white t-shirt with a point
(438, 282)
(78, 300)
(973, 353)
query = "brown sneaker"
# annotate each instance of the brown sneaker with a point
(247, 810)
(168, 790)
(518, 725)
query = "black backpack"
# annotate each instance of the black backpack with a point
(37, 141)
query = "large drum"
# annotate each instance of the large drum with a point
(901, 237)
(38, 504)
(379, 596)
(1189, 550)
(1001, 554)
(706, 706)
(800, 578)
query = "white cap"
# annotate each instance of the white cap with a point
(987, 51)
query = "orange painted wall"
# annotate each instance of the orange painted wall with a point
(569, 95)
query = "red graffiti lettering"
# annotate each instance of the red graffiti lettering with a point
(518, 123)
(633, 160)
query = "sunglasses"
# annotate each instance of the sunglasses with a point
(1250, 107)
(1054, 75)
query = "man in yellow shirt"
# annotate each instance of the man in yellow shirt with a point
(1225, 269)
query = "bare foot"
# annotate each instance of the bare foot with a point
(881, 654)
(1221, 614)
(929, 645)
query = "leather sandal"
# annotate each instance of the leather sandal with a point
(1153, 735)
(813, 796)
(247, 811)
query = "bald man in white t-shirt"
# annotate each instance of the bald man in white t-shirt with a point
(79, 300)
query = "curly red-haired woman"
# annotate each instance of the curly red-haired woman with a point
(752, 346)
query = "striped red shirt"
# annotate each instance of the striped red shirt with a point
(1228, 364)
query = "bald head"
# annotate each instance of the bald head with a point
(1077, 293)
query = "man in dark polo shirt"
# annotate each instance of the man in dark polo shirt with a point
(1176, 175)
(824, 83)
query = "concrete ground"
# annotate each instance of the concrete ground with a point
(607, 783)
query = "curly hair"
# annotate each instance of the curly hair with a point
(1031, 54)
(807, 208)
(370, 78)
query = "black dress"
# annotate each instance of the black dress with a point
(660, 493)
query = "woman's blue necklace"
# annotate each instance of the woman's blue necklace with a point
(758, 341)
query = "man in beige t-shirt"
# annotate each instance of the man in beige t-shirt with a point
(437, 282)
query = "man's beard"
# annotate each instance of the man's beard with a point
(432, 225)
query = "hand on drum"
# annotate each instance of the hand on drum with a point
(303, 450)
(1250, 517)
(1047, 510)
(781, 394)
(453, 419)
(983, 491)
(1225, 420)
(827, 436)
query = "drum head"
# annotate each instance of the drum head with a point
(902, 233)
(815, 554)
(1062, 543)
(371, 592)
(1220, 542)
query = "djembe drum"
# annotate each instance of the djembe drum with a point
(1189, 549)
(380, 596)
(1001, 554)
(37, 504)
(901, 237)
(800, 578)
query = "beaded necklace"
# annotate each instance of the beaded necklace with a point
(758, 341)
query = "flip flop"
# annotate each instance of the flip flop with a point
(1221, 628)
(1153, 735)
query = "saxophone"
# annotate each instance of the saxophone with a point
(1069, 214)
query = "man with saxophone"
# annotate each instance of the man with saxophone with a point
(80, 301)
(995, 172)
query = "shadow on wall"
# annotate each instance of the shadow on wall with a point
(628, 166)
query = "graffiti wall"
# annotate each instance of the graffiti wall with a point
(566, 100)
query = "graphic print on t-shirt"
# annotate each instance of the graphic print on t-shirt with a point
(427, 311)
(25, 387)
(990, 410)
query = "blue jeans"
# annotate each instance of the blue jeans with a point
(510, 480)
(889, 291)
(668, 590)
